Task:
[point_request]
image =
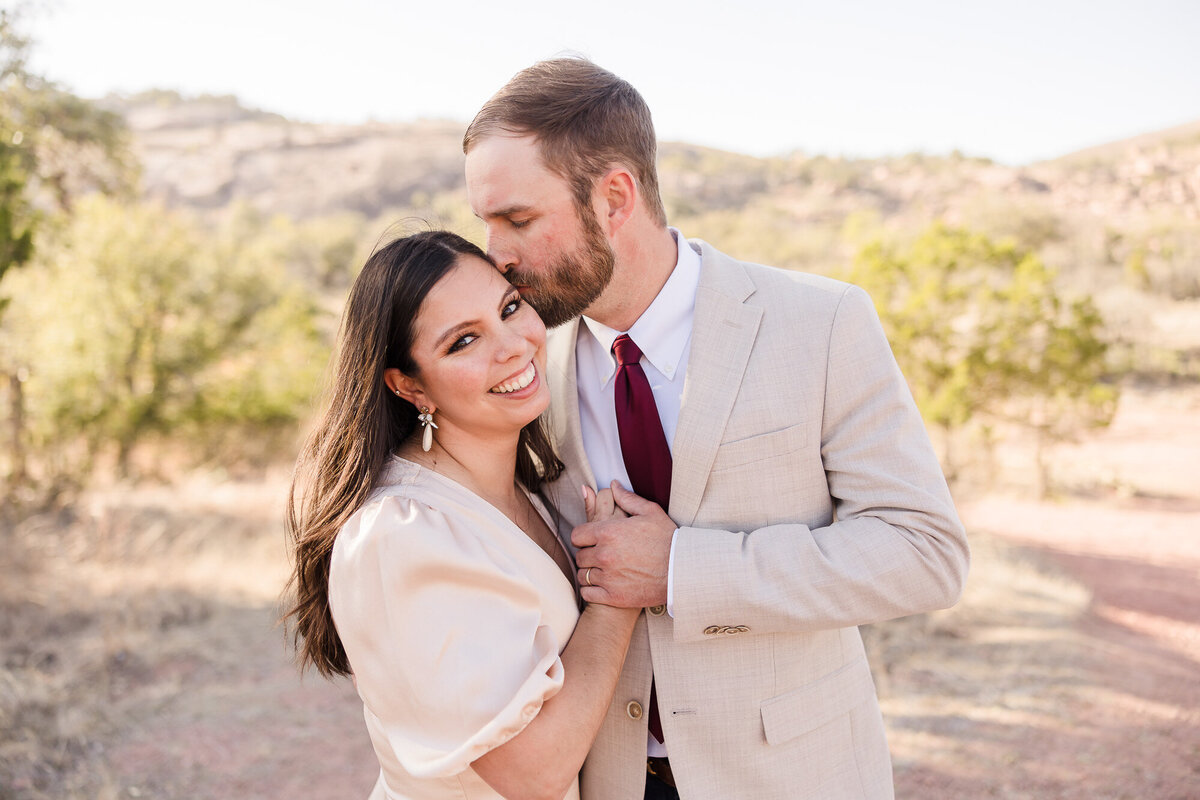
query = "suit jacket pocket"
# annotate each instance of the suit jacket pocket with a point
(799, 711)
(739, 453)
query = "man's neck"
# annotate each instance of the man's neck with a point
(644, 264)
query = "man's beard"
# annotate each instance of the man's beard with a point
(572, 281)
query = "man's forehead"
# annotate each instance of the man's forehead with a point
(506, 147)
(506, 171)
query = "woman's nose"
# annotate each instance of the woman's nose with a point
(514, 343)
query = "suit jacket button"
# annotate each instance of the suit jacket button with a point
(712, 629)
(657, 611)
(634, 709)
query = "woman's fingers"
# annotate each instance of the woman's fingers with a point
(605, 504)
(589, 503)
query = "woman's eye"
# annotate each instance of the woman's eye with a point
(511, 307)
(462, 342)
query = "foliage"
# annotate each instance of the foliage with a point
(981, 332)
(138, 322)
(66, 145)
(16, 227)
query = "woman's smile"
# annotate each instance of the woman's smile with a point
(517, 382)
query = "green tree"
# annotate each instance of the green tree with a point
(981, 332)
(54, 147)
(139, 323)
(67, 146)
(16, 248)
(16, 224)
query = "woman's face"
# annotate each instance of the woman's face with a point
(480, 353)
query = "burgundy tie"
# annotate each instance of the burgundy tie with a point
(643, 448)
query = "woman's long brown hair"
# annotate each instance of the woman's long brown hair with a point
(364, 424)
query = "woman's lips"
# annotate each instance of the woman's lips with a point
(517, 382)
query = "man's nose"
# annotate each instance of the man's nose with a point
(500, 253)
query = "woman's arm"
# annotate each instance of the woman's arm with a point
(544, 758)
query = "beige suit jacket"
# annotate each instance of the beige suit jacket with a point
(809, 501)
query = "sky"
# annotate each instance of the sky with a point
(1015, 81)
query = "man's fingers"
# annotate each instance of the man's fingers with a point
(592, 594)
(631, 503)
(596, 594)
(601, 595)
(584, 536)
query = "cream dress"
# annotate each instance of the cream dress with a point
(453, 620)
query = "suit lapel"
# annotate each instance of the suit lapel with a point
(563, 424)
(723, 333)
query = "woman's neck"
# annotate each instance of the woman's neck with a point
(486, 466)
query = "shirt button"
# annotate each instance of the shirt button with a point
(634, 709)
(712, 629)
(656, 611)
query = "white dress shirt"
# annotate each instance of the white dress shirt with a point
(664, 335)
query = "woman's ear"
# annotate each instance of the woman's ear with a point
(408, 388)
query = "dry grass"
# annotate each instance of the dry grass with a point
(141, 609)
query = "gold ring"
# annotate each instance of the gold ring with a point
(587, 576)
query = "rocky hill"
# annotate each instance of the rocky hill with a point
(206, 152)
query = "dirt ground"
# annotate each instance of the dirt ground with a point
(1071, 669)
(141, 655)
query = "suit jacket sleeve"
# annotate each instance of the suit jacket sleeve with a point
(895, 545)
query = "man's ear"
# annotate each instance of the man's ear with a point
(618, 194)
(409, 388)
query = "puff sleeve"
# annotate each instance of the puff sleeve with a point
(445, 633)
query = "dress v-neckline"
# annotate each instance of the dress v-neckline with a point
(538, 506)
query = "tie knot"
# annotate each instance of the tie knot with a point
(626, 351)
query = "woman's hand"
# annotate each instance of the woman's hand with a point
(601, 506)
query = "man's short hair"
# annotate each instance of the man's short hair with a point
(584, 118)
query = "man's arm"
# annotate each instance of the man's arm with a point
(896, 547)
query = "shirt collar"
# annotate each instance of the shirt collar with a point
(663, 330)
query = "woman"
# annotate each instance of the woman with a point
(426, 565)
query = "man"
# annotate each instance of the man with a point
(804, 498)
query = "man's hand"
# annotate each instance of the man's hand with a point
(624, 560)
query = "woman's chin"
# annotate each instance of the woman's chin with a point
(533, 407)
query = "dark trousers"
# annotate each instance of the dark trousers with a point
(657, 790)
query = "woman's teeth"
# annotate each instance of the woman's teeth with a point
(517, 383)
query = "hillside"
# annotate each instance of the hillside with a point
(205, 152)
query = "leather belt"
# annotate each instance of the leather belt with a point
(660, 768)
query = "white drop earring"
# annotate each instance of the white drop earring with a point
(426, 418)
